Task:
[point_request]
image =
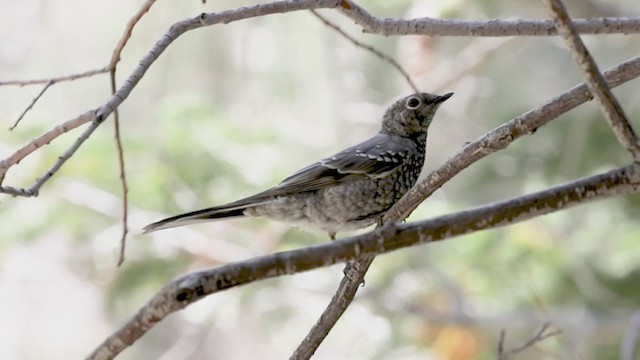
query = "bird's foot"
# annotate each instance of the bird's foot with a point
(352, 272)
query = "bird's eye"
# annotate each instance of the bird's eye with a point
(413, 103)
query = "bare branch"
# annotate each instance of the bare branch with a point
(493, 27)
(370, 48)
(611, 108)
(39, 142)
(539, 336)
(33, 102)
(354, 277)
(177, 29)
(56, 79)
(115, 58)
(123, 176)
(123, 183)
(195, 286)
(70, 124)
(35, 188)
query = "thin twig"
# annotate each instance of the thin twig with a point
(117, 51)
(33, 102)
(370, 48)
(193, 287)
(115, 58)
(123, 177)
(41, 141)
(58, 79)
(613, 112)
(539, 336)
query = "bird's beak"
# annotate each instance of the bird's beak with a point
(442, 98)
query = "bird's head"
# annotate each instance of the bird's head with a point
(412, 115)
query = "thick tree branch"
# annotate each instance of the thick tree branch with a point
(493, 27)
(613, 112)
(195, 286)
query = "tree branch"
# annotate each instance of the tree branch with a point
(353, 278)
(115, 58)
(58, 79)
(493, 27)
(33, 102)
(613, 112)
(192, 287)
(536, 338)
(37, 143)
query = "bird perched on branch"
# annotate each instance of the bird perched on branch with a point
(349, 190)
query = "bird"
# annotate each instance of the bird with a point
(349, 190)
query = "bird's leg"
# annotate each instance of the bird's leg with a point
(353, 266)
(351, 270)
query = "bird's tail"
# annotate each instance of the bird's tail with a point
(194, 217)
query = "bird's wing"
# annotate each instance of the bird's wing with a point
(373, 158)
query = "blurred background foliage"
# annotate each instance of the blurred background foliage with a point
(230, 110)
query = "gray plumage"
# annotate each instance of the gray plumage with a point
(349, 190)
